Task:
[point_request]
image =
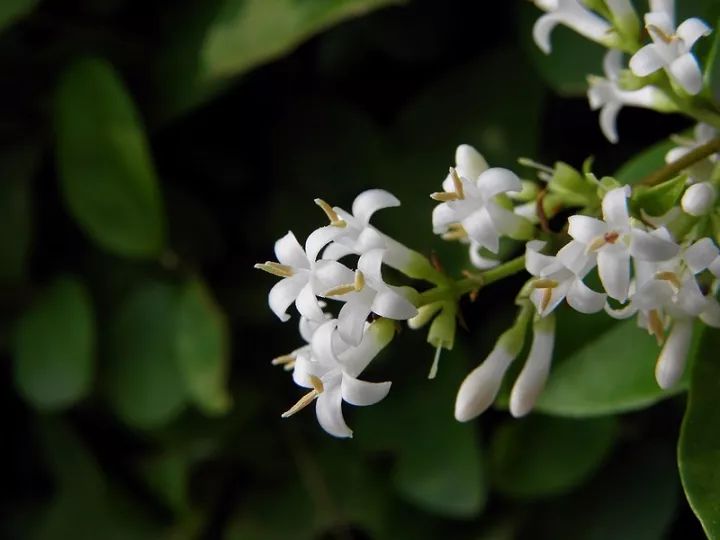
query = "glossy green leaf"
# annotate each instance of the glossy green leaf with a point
(18, 167)
(54, 346)
(12, 10)
(699, 445)
(644, 163)
(659, 199)
(541, 455)
(602, 367)
(144, 383)
(214, 41)
(106, 172)
(201, 346)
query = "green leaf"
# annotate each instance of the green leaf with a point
(601, 367)
(202, 345)
(541, 455)
(659, 199)
(18, 166)
(106, 172)
(572, 59)
(12, 10)
(54, 346)
(644, 163)
(699, 445)
(144, 383)
(217, 40)
(712, 66)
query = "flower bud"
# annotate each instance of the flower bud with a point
(673, 357)
(699, 199)
(531, 380)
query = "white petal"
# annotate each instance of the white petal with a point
(673, 357)
(370, 201)
(307, 304)
(715, 267)
(585, 229)
(375, 338)
(393, 306)
(478, 260)
(711, 315)
(666, 7)
(608, 121)
(308, 328)
(654, 294)
(612, 63)
(319, 238)
(575, 259)
(532, 378)
(557, 295)
(536, 262)
(284, 293)
(322, 343)
(330, 274)
(651, 247)
(369, 239)
(614, 207)
(370, 264)
(542, 30)
(700, 255)
(362, 393)
(664, 20)
(479, 388)
(497, 180)
(337, 250)
(480, 228)
(352, 318)
(442, 216)
(469, 162)
(691, 30)
(289, 251)
(583, 299)
(646, 61)
(329, 412)
(507, 222)
(686, 71)
(614, 270)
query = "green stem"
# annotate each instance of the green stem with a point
(674, 168)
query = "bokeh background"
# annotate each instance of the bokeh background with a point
(151, 153)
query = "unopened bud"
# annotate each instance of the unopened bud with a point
(699, 199)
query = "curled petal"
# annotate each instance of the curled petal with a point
(574, 257)
(328, 409)
(319, 238)
(614, 270)
(307, 304)
(352, 317)
(614, 207)
(508, 222)
(652, 247)
(673, 357)
(369, 239)
(370, 264)
(583, 299)
(542, 30)
(442, 216)
(376, 338)
(289, 251)
(478, 260)
(479, 388)
(329, 274)
(612, 63)
(480, 228)
(322, 343)
(700, 255)
(536, 262)
(362, 393)
(470, 163)
(497, 180)
(686, 71)
(691, 30)
(337, 250)
(646, 61)
(370, 201)
(586, 229)
(284, 293)
(393, 306)
(608, 121)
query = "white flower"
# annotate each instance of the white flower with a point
(470, 206)
(534, 374)
(699, 199)
(671, 47)
(298, 269)
(616, 239)
(560, 277)
(574, 14)
(331, 369)
(366, 292)
(606, 94)
(702, 255)
(700, 171)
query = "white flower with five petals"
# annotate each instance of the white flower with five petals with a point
(670, 49)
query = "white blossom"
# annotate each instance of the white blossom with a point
(573, 14)
(670, 47)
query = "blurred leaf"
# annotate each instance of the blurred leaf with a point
(202, 345)
(541, 455)
(659, 199)
(107, 176)
(18, 166)
(634, 498)
(602, 367)
(572, 59)
(167, 476)
(699, 445)
(712, 65)
(144, 383)
(11, 10)
(220, 39)
(441, 470)
(54, 347)
(644, 163)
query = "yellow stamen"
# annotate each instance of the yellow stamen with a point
(289, 366)
(359, 280)
(455, 232)
(596, 244)
(546, 298)
(282, 360)
(544, 283)
(444, 196)
(307, 399)
(670, 277)
(346, 288)
(656, 326)
(660, 33)
(331, 214)
(276, 269)
(457, 183)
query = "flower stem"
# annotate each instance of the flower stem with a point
(674, 168)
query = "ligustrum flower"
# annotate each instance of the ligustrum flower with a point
(574, 14)
(470, 205)
(605, 94)
(671, 47)
(615, 239)
(331, 369)
(298, 269)
(560, 278)
(534, 374)
(479, 389)
(365, 292)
